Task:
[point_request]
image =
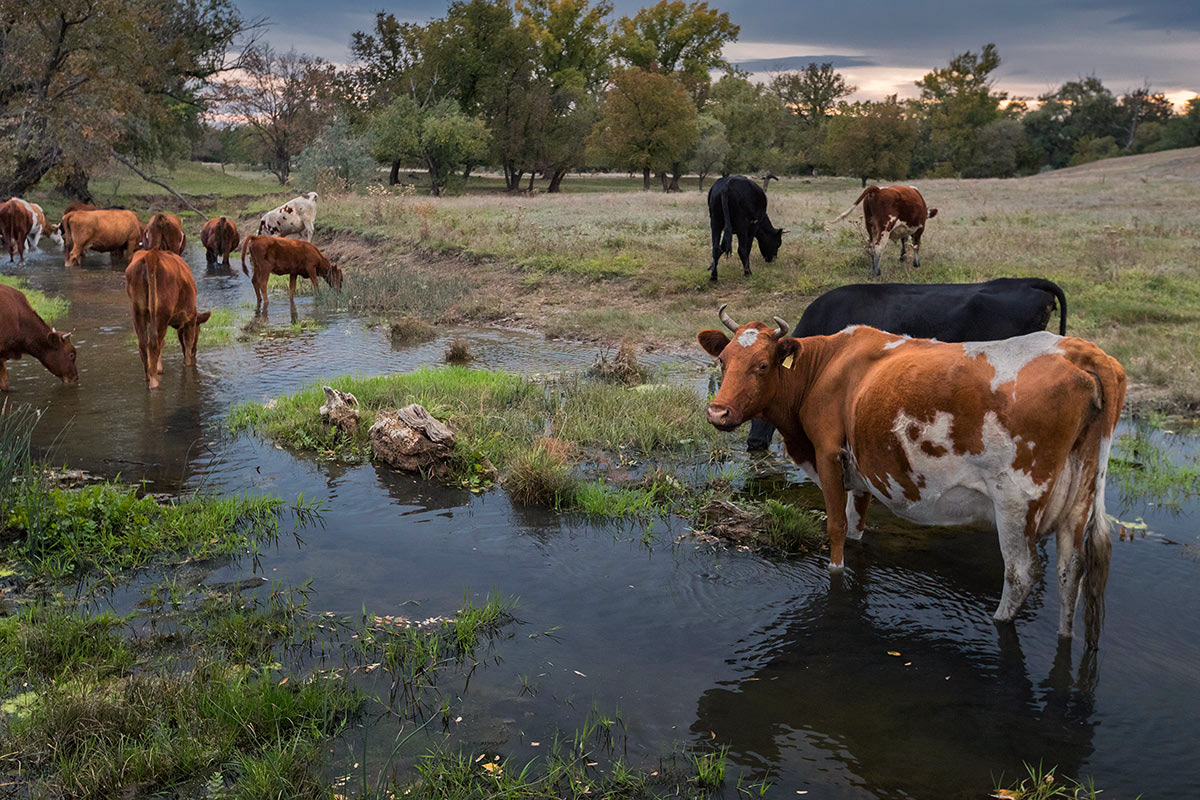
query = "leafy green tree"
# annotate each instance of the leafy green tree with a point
(871, 140)
(1000, 150)
(394, 133)
(677, 38)
(388, 63)
(336, 159)
(648, 122)
(708, 156)
(749, 114)
(812, 93)
(959, 102)
(1139, 106)
(1181, 130)
(440, 137)
(1076, 109)
(1090, 148)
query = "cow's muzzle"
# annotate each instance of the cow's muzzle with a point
(723, 418)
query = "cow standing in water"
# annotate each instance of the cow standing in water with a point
(220, 238)
(16, 221)
(164, 232)
(738, 205)
(950, 312)
(162, 294)
(897, 211)
(23, 332)
(109, 230)
(273, 255)
(1014, 434)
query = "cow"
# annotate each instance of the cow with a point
(220, 238)
(738, 205)
(1014, 434)
(22, 332)
(899, 212)
(951, 312)
(164, 232)
(296, 216)
(111, 230)
(162, 293)
(16, 221)
(273, 255)
(42, 227)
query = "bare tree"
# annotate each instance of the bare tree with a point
(284, 98)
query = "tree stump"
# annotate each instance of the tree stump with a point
(411, 440)
(341, 410)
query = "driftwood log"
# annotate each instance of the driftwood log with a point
(411, 440)
(340, 409)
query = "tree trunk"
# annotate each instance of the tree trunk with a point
(675, 170)
(864, 181)
(556, 180)
(532, 173)
(645, 179)
(702, 181)
(467, 172)
(662, 178)
(27, 172)
(74, 185)
(394, 178)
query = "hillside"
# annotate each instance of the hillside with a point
(1182, 164)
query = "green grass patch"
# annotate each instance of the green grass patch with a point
(48, 308)
(1146, 470)
(1044, 784)
(222, 328)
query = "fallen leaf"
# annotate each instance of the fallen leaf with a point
(282, 682)
(458, 719)
(580, 674)
(893, 652)
(494, 768)
(535, 744)
(482, 756)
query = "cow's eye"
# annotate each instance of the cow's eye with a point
(761, 367)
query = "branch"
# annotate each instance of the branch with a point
(155, 181)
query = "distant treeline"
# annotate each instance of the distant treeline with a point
(538, 88)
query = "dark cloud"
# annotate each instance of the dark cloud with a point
(800, 62)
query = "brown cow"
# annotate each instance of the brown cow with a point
(16, 221)
(899, 212)
(115, 231)
(272, 255)
(1014, 433)
(162, 293)
(164, 232)
(220, 238)
(23, 331)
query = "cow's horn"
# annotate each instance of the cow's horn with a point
(783, 329)
(782, 231)
(726, 319)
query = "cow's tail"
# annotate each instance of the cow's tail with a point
(1056, 290)
(1097, 544)
(870, 190)
(727, 231)
(222, 226)
(150, 262)
(245, 250)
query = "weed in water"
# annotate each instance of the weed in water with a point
(622, 367)
(1044, 784)
(459, 352)
(1145, 470)
(710, 768)
(410, 330)
(541, 476)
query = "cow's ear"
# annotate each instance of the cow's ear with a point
(786, 351)
(712, 341)
(202, 317)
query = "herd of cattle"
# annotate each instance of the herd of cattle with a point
(159, 283)
(948, 403)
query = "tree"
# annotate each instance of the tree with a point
(1076, 109)
(283, 98)
(388, 63)
(1140, 106)
(959, 101)
(812, 93)
(1182, 130)
(648, 122)
(81, 82)
(871, 140)
(676, 38)
(749, 114)
(708, 156)
(439, 136)
(1090, 148)
(336, 159)
(1000, 150)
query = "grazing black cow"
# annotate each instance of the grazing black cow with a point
(738, 205)
(951, 312)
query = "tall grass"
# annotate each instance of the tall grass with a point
(51, 309)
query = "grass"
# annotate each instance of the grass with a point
(1146, 470)
(50, 309)
(410, 330)
(107, 528)
(1044, 784)
(629, 266)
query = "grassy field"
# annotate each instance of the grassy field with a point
(1121, 236)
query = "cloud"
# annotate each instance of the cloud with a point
(800, 62)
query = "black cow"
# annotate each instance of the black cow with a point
(738, 205)
(951, 312)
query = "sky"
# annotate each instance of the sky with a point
(881, 46)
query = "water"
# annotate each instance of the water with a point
(784, 664)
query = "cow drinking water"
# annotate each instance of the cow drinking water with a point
(271, 255)
(738, 205)
(220, 238)
(1014, 434)
(23, 332)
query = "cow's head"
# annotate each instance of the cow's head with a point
(55, 234)
(750, 368)
(333, 275)
(59, 357)
(189, 333)
(769, 240)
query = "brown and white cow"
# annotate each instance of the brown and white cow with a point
(164, 231)
(272, 255)
(16, 221)
(220, 238)
(897, 211)
(295, 217)
(42, 227)
(1014, 433)
(109, 230)
(22, 332)
(162, 293)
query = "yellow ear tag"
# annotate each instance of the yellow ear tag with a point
(787, 362)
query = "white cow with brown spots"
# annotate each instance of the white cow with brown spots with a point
(296, 217)
(1014, 434)
(897, 212)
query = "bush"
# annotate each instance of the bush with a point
(335, 161)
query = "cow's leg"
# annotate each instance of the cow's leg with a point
(3, 376)
(1070, 564)
(761, 432)
(829, 470)
(1017, 550)
(916, 237)
(210, 257)
(292, 289)
(745, 242)
(856, 514)
(308, 231)
(876, 254)
(716, 249)
(903, 247)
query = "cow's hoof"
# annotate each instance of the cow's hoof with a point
(712, 278)
(837, 569)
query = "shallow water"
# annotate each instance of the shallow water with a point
(788, 667)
